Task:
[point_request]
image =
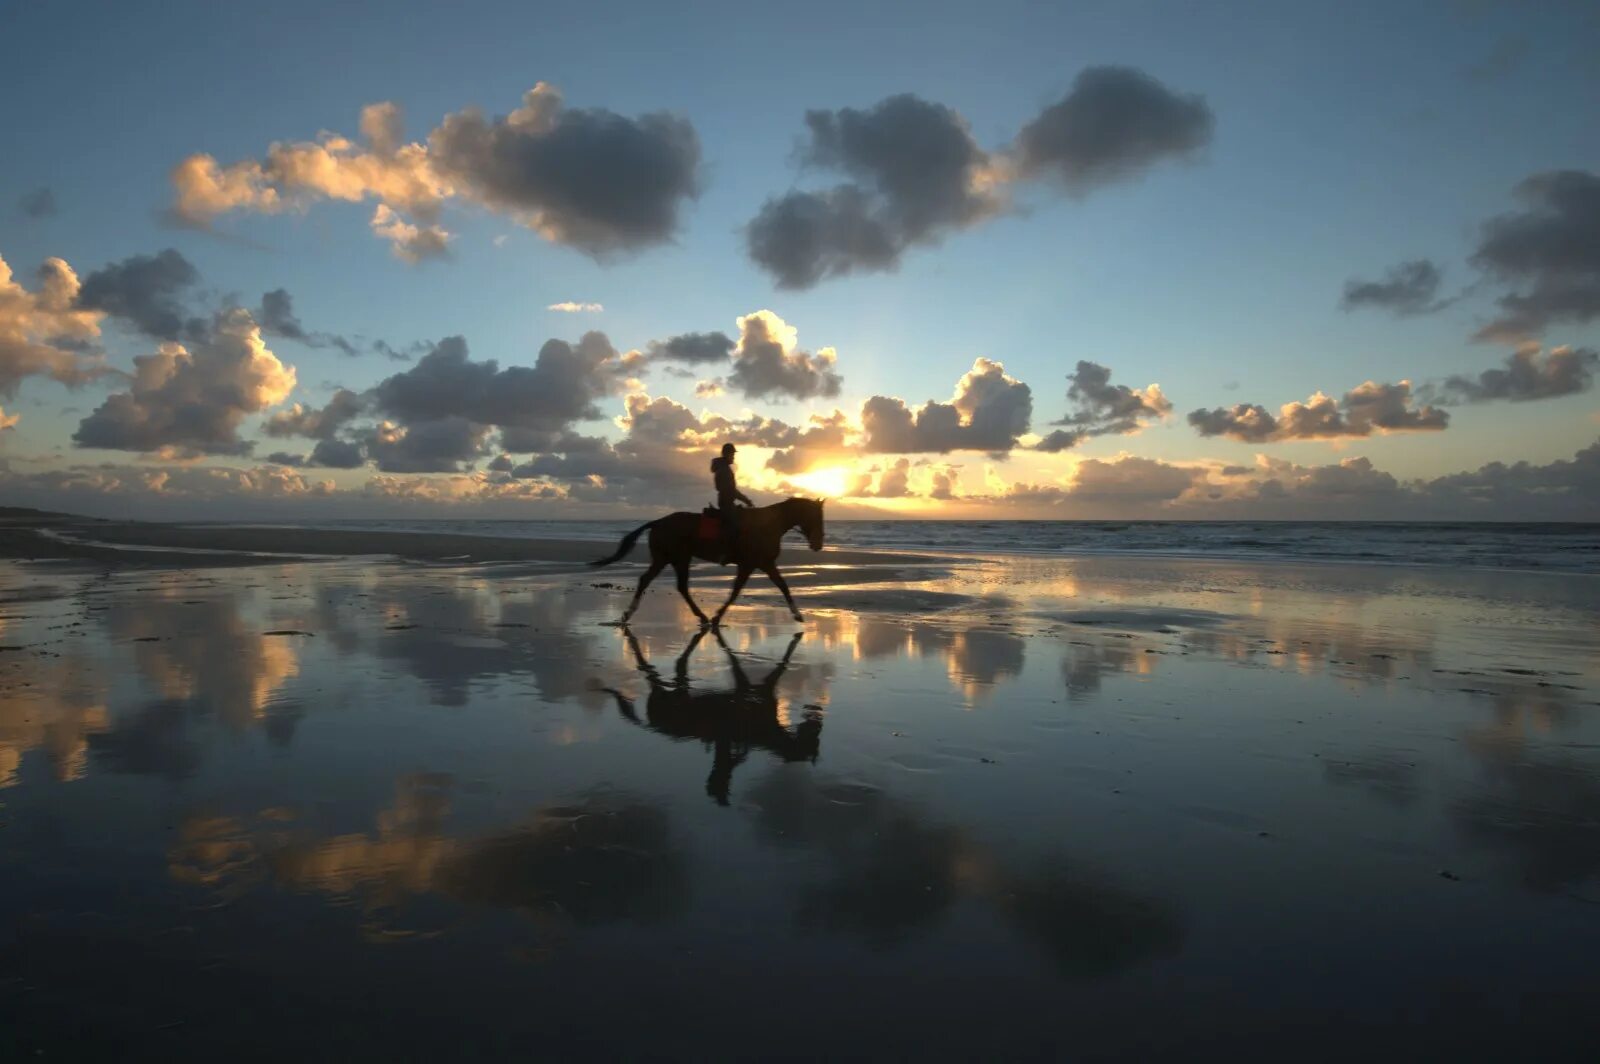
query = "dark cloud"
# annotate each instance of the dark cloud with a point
(561, 387)
(1524, 488)
(338, 454)
(440, 445)
(1060, 440)
(1551, 250)
(917, 175)
(300, 420)
(988, 412)
(284, 458)
(894, 482)
(766, 362)
(39, 203)
(1102, 408)
(1563, 371)
(191, 402)
(1370, 407)
(146, 291)
(1115, 123)
(1407, 289)
(693, 348)
(590, 179)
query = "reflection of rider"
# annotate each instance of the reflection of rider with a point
(728, 494)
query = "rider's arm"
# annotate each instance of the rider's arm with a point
(742, 497)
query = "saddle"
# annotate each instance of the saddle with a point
(710, 527)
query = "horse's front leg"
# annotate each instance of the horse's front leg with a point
(739, 579)
(771, 569)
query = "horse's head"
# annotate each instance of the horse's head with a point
(810, 520)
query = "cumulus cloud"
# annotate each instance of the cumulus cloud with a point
(767, 361)
(436, 445)
(42, 331)
(1550, 250)
(38, 203)
(1370, 407)
(1407, 289)
(895, 481)
(189, 403)
(988, 412)
(277, 317)
(1115, 123)
(1528, 375)
(147, 292)
(1101, 408)
(589, 179)
(569, 307)
(300, 420)
(708, 389)
(824, 440)
(561, 387)
(8, 421)
(917, 175)
(1132, 480)
(408, 241)
(338, 454)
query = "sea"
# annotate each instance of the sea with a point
(1544, 546)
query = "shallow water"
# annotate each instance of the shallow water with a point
(1051, 807)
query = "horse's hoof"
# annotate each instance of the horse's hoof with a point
(799, 618)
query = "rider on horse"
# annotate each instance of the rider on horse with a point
(728, 496)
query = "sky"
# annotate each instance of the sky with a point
(1119, 260)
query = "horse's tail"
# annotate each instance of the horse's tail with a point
(625, 546)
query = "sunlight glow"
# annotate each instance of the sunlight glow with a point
(829, 483)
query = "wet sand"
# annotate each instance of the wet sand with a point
(970, 808)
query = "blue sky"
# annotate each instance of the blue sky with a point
(1348, 138)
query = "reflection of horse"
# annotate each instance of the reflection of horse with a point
(733, 721)
(675, 540)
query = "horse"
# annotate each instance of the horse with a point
(732, 722)
(675, 540)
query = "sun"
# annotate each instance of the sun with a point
(829, 483)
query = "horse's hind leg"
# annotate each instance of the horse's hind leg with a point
(681, 566)
(783, 585)
(656, 565)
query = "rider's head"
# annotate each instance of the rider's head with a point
(728, 451)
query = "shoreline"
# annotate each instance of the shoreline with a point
(58, 537)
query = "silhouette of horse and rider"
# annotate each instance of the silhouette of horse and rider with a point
(749, 538)
(734, 721)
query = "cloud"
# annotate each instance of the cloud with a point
(943, 483)
(147, 292)
(1060, 440)
(300, 420)
(708, 389)
(988, 412)
(90, 487)
(439, 445)
(42, 331)
(570, 307)
(825, 440)
(1551, 249)
(1371, 407)
(1115, 123)
(1132, 480)
(338, 454)
(561, 387)
(766, 361)
(277, 318)
(408, 241)
(39, 203)
(1407, 289)
(693, 348)
(589, 179)
(894, 482)
(1102, 408)
(8, 421)
(917, 175)
(1562, 371)
(190, 403)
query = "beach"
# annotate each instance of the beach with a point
(324, 793)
